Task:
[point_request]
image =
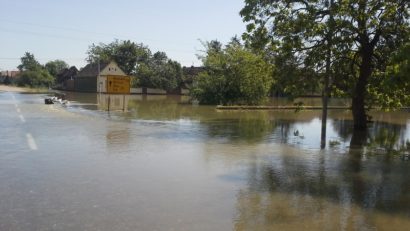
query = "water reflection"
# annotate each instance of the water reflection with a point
(288, 183)
(248, 127)
(118, 138)
(390, 137)
(343, 128)
(112, 102)
(389, 131)
(351, 191)
(380, 138)
(319, 191)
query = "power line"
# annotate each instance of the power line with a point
(88, 40)
(53, 58)
(88, 32)
(58, 28)
(41, 34)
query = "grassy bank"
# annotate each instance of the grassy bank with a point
(11, 88)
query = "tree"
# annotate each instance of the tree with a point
(365, 34)
(149, 70)
(160, 72)
(33, 73)
(55, 67)
(29, 63)
(126, 54)
(35, 78)
(390, 89)
(233, 75)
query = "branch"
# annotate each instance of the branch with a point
(353, 63)
(376, 38)
(301, 2)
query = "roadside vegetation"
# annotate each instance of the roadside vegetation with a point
(33, 74)
(233, 75)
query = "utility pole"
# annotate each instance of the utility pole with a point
(326, 89)
(98, 75)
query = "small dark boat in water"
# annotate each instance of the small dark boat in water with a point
(48, 101)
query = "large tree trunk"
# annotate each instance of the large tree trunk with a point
(359, 113)
(358, 99)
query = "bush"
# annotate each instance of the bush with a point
(35, 78)
(233, 75)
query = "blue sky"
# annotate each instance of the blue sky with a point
(64, 29)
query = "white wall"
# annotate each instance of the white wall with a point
(136, 90)
(112, 69)
(102, 84)
(156, 91)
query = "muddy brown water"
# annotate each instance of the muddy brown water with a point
(161, 163)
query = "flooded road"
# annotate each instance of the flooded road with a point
(160, 163)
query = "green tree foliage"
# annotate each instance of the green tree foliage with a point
(160, 72)
(125, 53)
(234, 75)
(293, 79)
(55, 67)
(365, 35)
(35, 78)
(149, 70)
(391, 88)
(29, 63)
(33, 73)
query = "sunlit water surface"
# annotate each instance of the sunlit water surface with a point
(161, 163)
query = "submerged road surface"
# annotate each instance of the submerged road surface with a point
(70, 171)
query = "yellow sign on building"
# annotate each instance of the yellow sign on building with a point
(118, 84)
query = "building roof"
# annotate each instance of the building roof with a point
(10, 73)
(67, 73)
(91, 70)
(192, 70)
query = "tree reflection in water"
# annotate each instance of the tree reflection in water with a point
(247, 127)
(360, 189)
(360, 185)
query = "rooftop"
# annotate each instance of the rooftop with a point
(91, 69)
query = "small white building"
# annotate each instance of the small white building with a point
(106, 77)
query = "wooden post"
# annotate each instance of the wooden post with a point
(109, 102)
(123, 103)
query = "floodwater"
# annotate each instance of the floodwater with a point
(161, 163)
